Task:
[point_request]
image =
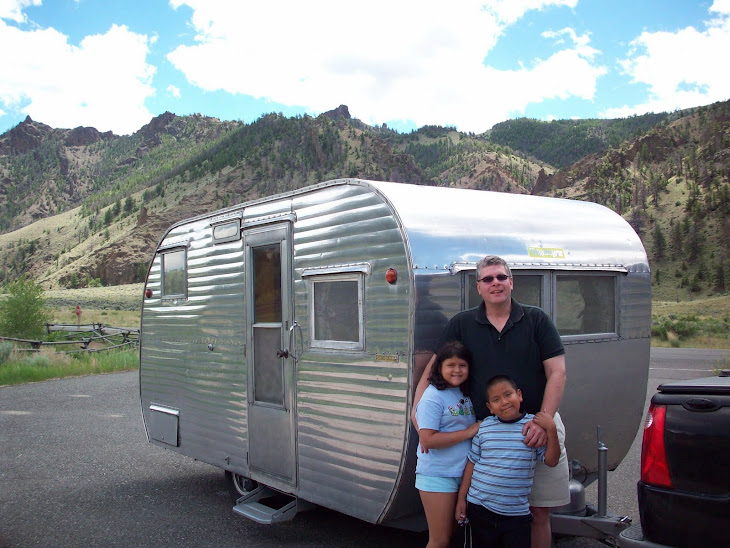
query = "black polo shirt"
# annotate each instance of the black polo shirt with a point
(529, 337)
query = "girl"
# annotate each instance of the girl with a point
(446, 424)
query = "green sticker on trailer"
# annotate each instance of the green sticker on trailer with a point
(546, 252)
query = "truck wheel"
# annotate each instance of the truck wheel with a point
(240, 485)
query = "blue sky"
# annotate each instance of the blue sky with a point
(114, 64)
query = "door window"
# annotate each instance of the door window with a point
(268, 367)
(267, 283)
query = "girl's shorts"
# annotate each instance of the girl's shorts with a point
(436, 484)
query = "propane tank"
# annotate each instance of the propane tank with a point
(577, 504)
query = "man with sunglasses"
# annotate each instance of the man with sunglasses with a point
(520, 341)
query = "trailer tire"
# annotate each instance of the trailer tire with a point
(240, 485)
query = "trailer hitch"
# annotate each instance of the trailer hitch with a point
(597, 523)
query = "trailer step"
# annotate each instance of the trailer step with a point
(266, 506)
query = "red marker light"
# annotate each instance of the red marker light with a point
(391, 276)
(148, 293)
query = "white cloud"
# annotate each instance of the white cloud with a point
(680, 69)
(173, 91)
(420, 61)
(720, 6)
(510, 11)
(12, 10)
(103, 82)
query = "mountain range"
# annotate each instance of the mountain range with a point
(80, 207)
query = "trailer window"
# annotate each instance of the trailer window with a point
(267, 283)
(585, 304)
(336, 315)
(174, 274)
(527, 289)
(227, 232)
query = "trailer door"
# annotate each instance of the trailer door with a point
(270, 374)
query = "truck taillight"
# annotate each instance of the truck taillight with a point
(654, 466)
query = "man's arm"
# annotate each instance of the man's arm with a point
(421, 388)
(555, 373)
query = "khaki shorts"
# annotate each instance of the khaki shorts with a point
(550, 486)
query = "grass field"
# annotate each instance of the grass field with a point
(21, 367)
(700, 323)
(117, 306)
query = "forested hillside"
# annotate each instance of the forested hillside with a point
(673, 185)
(78, 207)
(564, 142)
(79, 211)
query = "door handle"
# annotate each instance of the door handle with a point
(282, 353)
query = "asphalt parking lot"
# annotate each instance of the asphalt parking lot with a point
(76, 470)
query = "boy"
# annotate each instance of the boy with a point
(500, 467)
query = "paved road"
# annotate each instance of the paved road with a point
(76, 470)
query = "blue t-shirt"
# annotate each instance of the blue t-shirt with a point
(445, 410)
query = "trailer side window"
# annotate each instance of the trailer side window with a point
(336, 311)
(585, 304)
(174, 274)
(527, 289)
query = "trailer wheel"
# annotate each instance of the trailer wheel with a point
(240, 485)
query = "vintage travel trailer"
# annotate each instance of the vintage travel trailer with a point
(282, 338)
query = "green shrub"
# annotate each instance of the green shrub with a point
(38, 360)
(686, 328)
(6, 349)
(659, 330)
(23, 312)
(683, 327)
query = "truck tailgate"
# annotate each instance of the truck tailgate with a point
(695, 510)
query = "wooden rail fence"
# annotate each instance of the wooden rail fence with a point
(93, 337)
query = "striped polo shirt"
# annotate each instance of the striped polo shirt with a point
(503, 466)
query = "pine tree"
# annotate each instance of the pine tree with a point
(660, 242)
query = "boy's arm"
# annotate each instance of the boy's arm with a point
(460, 513)
(552, 449)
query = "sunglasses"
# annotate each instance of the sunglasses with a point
(490, 279)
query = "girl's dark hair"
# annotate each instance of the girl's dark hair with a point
(451, 349)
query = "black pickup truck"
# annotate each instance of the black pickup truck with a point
(684, 490)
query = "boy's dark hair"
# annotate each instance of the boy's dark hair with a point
(497, 379)
(451, 349)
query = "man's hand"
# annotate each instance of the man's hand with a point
(535, 436)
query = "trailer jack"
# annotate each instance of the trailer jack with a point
(589, 521)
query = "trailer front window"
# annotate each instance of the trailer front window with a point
(527, 289)
(336, 306)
